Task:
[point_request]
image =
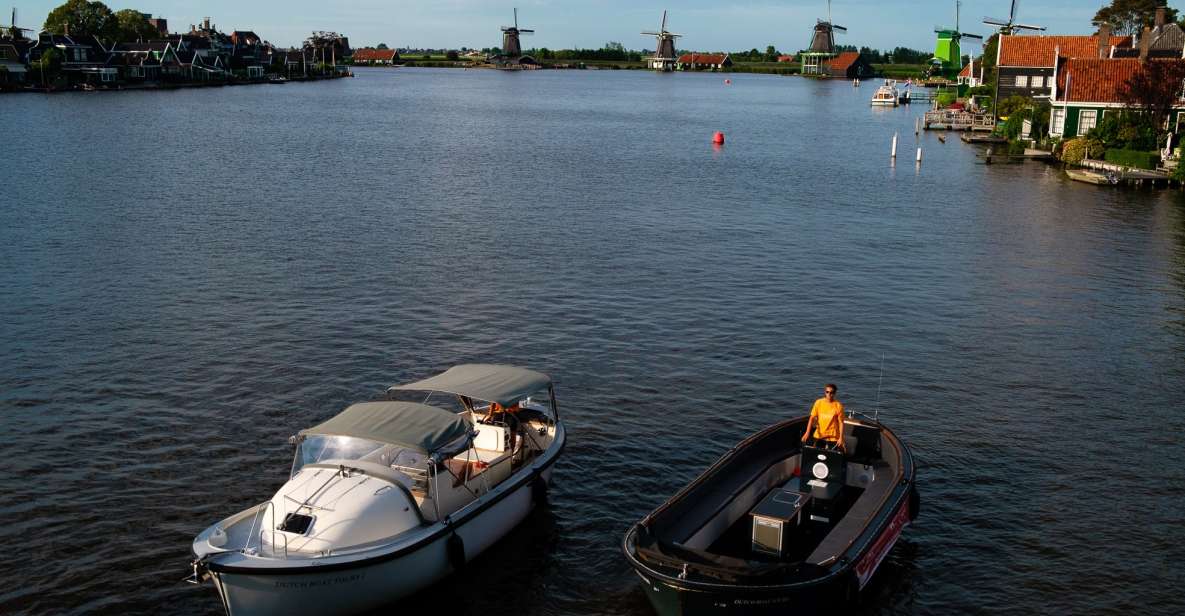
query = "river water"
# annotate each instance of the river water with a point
(189, 277)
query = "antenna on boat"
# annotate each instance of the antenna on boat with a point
(879, 380)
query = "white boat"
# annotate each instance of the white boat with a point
(388, 497)
(886, 95)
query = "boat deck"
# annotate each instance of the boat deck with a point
(802, 539)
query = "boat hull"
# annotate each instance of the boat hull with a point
(827, 594)
(824, 587)
(347, 587)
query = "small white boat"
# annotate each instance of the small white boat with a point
(886, 95)
(388, 497)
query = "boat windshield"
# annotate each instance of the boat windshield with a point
(318, 448)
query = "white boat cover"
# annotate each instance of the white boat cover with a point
(490, 382)
(415, 426)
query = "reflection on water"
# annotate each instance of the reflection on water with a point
(190, 277)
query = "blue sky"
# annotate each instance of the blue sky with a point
(707, 25)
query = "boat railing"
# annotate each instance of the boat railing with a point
(261, 512)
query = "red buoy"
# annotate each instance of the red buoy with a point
(718, 138)
(727, 82)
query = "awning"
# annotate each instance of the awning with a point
(416, 426)
(490, 382)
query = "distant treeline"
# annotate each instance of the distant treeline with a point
(616, 52)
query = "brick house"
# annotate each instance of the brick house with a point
(1093, 92)
(703, 62)
(1026, 63)
(849, 65)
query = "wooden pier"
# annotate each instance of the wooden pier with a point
(949, 119)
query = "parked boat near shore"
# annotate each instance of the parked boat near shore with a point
(388, 497)
(1107, 178)
(886, 95)
(774, 527)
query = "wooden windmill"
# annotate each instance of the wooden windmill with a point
(822, 47)
(1010, 26)
(14, 31)
(948, 53)
(511, 48)
(664, 49)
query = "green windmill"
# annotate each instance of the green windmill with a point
(948, 53)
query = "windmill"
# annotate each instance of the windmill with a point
(1010, 26)
(15, 31)
(511, 48)
(948, 53)
(822, 45)
(664, 49)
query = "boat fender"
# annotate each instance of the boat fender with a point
(539, 491)
(915, 502)
(456, 551)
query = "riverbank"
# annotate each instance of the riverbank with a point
(172, 86)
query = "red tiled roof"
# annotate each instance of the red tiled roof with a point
(1097, 81)
(1017, 50)
(785, 58)
(368, 55)
(702, 58)
(843, 60)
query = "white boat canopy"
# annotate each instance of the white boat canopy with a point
(415, 426)
(490, 382)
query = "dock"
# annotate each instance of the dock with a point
(948, 119)
(973, 138)
(1127, 175)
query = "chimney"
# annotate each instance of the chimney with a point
(1104, 41)
(1145, 41)
(1159, 16)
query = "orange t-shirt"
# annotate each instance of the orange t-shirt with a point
(828, 419)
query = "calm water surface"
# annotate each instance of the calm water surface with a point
(187, 278)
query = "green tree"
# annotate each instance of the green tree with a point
(771, 54)
(132, 25)
(1130, 16)
(989, 59)
(82, 18)
(49, 66)
(1155, 90)
(1012, 104)
(382, 46)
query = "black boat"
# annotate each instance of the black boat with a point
(776, 527)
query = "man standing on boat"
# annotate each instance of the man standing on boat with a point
(826, 419)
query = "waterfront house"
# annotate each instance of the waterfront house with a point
(972, 74)
(849, 65)
(703, 62)
(1094, 90)
(1026, 62)
(1163, 40)
(135, 66)
(156, 49)
(12, 67)
(83, 60)
(785, 58)
(191, 66)
(383, 57)
(295, 62)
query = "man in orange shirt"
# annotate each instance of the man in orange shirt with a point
(826, 419)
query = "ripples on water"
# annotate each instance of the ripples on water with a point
(190, 277)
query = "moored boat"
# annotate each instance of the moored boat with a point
(776, 527)
(1107, 178)
(388, 497)
(886, 95)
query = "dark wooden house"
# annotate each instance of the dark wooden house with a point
(850, 65)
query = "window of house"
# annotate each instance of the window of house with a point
(1038, 82)
(1087, 119)
(1059, 121)
(1022, 81)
